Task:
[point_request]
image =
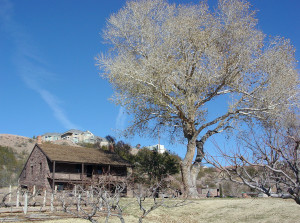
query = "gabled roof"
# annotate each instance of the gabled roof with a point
(81, 155)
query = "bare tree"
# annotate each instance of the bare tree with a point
(267, 160)
(169, 63)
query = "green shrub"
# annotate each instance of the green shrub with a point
(11, 165)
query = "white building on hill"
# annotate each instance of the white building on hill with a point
(50, 137)
(76, 136)
(159, 148)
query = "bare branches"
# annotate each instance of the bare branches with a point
(103, 200)
(269, 161)
(188, 64)
(3, 202)
(94, 200)
(154, 197)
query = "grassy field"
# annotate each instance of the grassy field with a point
(214, 210)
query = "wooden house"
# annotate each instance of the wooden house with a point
(52, 166)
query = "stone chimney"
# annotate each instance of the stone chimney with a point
(39, 139)
(111, 148)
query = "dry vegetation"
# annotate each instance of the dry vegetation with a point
(213, 210)
(18, 143)
(224, 210)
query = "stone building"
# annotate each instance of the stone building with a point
(52, 166)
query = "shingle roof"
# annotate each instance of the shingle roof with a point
(81, 155)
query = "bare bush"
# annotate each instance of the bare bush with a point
(103, 200)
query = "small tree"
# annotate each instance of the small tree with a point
(123, 150)
(168, 63)
(155, 165)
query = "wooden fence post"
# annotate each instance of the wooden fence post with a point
(52, 200)
(18, 197)
(92, 194)
(88, 196)
(78, 202)
(9, 196)
(33, 193)
(45, 197)
(63, 198)
(25, 203)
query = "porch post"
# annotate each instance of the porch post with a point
(82, 171)
(109, 178)
(53, 176)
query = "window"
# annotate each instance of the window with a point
(41, 168)
(31, 167)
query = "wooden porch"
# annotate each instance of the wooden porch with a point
(88, 174)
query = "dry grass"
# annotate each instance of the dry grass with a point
(18, 143)
(214, 210)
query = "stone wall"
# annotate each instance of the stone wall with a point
(36, 171)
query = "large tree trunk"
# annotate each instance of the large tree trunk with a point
(190, 169)
(189, 174)
(195, 169)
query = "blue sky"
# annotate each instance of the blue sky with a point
(48, 78)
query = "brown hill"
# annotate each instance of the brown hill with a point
(18, 143)
(22, 143)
